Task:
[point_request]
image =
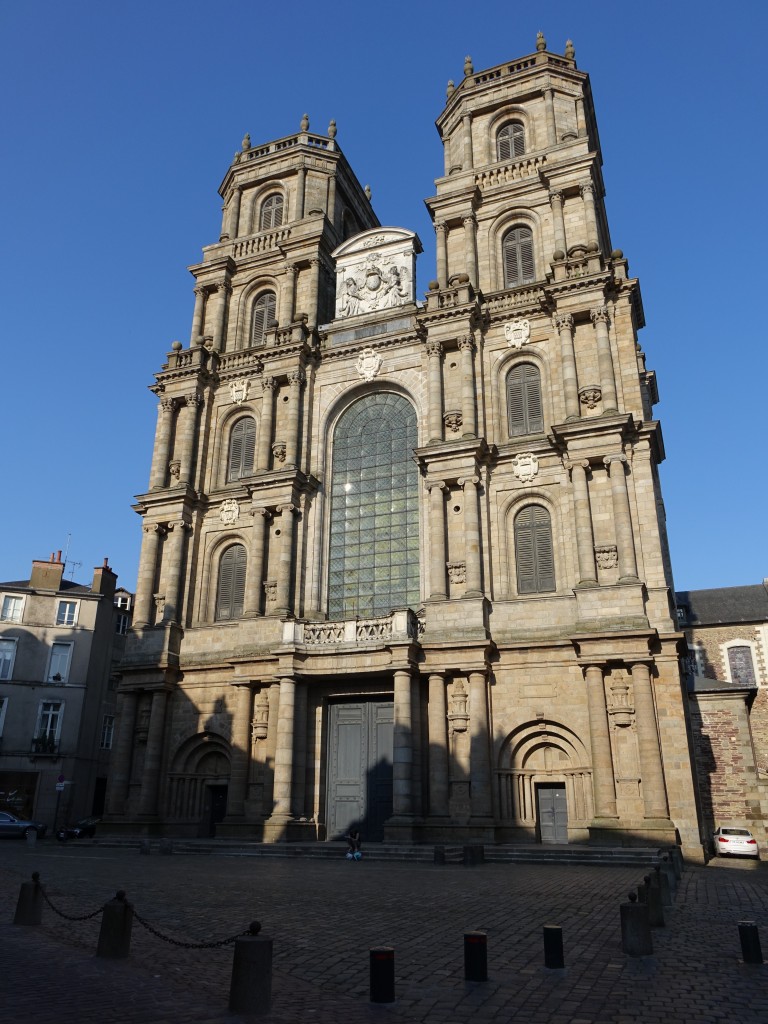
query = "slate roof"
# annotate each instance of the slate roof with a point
(724, 605)
(79, 588)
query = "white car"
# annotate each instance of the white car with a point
(735, 841)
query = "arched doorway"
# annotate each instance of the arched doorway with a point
(197, 785)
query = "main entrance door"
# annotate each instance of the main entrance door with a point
(360, 740)
(552, 813)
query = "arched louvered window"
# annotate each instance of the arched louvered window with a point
(231, 589)
(374, 563)
(242, 443)
(517, 250)
(524, 409)
(263, 315)
(271, 215)
(533, 551)
(510, 142)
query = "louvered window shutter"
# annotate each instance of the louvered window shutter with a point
(271, 213)
(518, 257)
(533, 551)
(242, 444)
(231, 589)
(510, 142)
(524, 407)
(263, 315)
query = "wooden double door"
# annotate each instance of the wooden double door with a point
(359, 790)
(552, 812)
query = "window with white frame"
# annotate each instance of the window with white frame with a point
(49, 718)
(3, 706)
(7, 658)
(107, 732)
(66, 613)
(121, 624)
(123, 601)
(12, 608)
(58, 667)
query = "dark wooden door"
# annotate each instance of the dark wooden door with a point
(552, 813)
(360, 742)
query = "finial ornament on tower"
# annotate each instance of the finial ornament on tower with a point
(245, 145)
(305, 123)
(450, 89)
(468, 69)
(570, 52)
(368, 193)
(332, 129)
(541, 42)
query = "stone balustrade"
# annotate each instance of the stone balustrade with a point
(400, 625)
(264, 241)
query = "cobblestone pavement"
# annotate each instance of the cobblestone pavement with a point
(325, 915)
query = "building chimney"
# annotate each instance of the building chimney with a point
(47, 575)
(104, 580)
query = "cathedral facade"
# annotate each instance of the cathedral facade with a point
(404, 562)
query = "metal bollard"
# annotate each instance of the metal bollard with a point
(116, 925)
(439, 855)
(382, 980)
(250, 990)
(635, 928)
(668, 869)
(653, 901)
(749, 937)
(475, 956)
(553, 947)
(659, 880)
(29, 909)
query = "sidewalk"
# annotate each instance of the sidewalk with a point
(324, 917)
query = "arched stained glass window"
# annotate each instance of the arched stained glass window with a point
(374, 519)
(242, 442)
(271, 215)
(533, 551)
(231, 586)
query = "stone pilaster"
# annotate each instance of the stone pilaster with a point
(470, 249)
(402, 758)
(264, 447)
(233, 225)
(441, 237)
(150, 779)
(288, 295)
(437, 490)
(480, 757)
(603, 780)
(564, 326)
(255, 574)
(587, 190)
(435, 390)
(120, 761)
(223, 289)
(285, 563)
(145, 585)
(558, 220)
(296, 382)
(301, 178)
(197, 316)
(549, 113)
(474, 586)
(651, 769)
(599, 316)
(622, 519)
(282, 791)
(241, 752)
(585, 540)
(314, 288)
(163, 433)
(192, 403)
(468, 399)
(172, 570)
(468, 156)
(438, 746)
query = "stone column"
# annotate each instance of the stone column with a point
(314, 288)
(191, 403)
(145, 584)
(438, 746)
(558, 220)
(549, 111)
(585, 540)
(284, 568)
(173, 570)
(581, 121)
(331, 199)
(564, 325)
(468, 161)
(599, 316)
(255, 575)
(233, 227)
(120, 761)
(651, 770)
(441, 232)
(603, 782)
(298, 796)
(437, 489)
(241, 751)
(622, 520)
(402, 758)
(435, 390)
(282, 791)
(470, 249)
(159, 472)
(150, 779)
(219, 330)
(468, 408)
(480, 759)
(197, 316)
(301, 177)
(587, 190)
(288, 295)
(296, 380)
(264, 447)
(474, 587)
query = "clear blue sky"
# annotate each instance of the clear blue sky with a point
(121, 120)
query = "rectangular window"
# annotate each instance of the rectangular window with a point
(11, 609)
(107, 732)
(58, 669)
(49, 724)
(121, 624)
(7, 658)
(123, 601)
(66, 614)
(3, 706)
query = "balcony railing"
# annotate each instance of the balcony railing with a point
(400, 625)
(45, 746)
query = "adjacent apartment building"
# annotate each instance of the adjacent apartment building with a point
(60, 642)
(404, 560)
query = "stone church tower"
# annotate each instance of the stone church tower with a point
(404, 563)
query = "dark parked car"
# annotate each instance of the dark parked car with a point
(12, 827)
(85, 828)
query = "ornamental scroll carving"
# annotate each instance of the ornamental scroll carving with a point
(458, 716)
(457, 572)
(607, 556)
(260, 723)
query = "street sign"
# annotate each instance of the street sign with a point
(60, 778)
(60, 787)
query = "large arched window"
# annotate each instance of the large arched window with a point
(374, 519)
(231, 586)
(261, 318)
(271, 215)
(510, 141)
(524, 411)
(242, 442)
(533, 551)
(517, 251)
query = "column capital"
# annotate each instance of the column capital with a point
(555, 195)
(434, 348)
(167, 404)
(587, 188)
(178, 524)
(563, 321)
(599, 314)
(439, 484)
(157, 528)
(469, 221)
(194, 399)
(466, 481)
(570, 464)
(467, 342)
(287, 508)
(200, 289)
(297, 378)
(260, 511)
(268, 383)
(222, 286)
(619, 457)
(441, 227)
(290, 268)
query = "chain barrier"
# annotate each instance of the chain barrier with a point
(188, 945)
(69, 917)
